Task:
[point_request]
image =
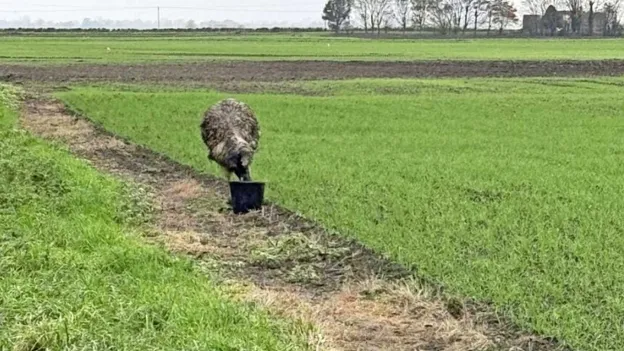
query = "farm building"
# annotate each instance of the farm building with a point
(555, 22)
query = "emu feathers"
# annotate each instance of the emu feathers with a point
(231, 132)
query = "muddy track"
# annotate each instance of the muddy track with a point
(357, 299)
(215, 72)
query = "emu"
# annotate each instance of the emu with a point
(231, 132)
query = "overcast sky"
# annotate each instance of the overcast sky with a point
(242, 11)
(199, 10)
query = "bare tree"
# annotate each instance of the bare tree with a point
(612, 10)
(479, 8)
(367, 13)
(380, 11)
(590, 20)
(347, 26)
(442, 16)
(467, 5)
(592, 6)
(363, 9)
(402, 9)
(388, 22)
(534, 6)
(576, 11)
(420, 12)
(489, 11)
(448, 12)
(457, 10)
(537, 7)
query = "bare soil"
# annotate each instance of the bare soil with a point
(357, 299)
(273, 71)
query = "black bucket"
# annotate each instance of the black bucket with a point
(246, 196)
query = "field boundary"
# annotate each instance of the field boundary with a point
(288, 263)
(207, 73)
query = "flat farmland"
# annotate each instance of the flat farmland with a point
(503, 190)
(61, 49)
(488, 171)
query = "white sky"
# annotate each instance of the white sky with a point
(199, 10)
(241, 11)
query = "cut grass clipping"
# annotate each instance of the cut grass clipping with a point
(504, 190)
(75, 275)
(55, 49)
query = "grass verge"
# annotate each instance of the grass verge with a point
(75, 274)
(505, 190)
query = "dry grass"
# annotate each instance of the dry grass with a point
(397, 315)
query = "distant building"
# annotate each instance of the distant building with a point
(560, 23)
(531, 24)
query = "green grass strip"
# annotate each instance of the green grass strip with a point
(75, 275)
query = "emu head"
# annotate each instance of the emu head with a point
(239, 160)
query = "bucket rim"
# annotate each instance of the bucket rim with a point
(247, 182)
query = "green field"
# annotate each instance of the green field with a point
(49, 49)
(77, 276)
(504, 190)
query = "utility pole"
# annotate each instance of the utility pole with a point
(158, 14)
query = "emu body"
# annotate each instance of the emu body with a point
(231, 132)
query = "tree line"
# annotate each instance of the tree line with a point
(450, 16)
(443, 16)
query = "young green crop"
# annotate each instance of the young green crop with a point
(75, 275)
(504, 190)
(47, 49)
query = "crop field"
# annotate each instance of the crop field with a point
(296, 47)
(504, 190)
(495, 183)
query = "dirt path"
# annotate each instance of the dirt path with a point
(271, 71)
(358, 300)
